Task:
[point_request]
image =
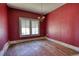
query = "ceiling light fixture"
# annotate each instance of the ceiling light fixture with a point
(42, 17)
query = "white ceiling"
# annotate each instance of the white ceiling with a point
(36, 7)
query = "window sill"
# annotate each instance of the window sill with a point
(29, 35)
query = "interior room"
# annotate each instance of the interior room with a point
(39, 29)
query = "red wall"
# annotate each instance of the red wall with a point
(14, 15)
(63, 24)
(3, 25)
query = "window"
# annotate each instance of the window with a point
(29, 26)
(35, 26)
(25, 26)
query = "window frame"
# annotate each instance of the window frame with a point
(20, 31)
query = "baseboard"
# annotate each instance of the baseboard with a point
(19, 41)
(64, 44)
(2, 52)
(24, 40)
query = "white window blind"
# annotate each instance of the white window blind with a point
(25, 26)
(35, 26)
(29, 26)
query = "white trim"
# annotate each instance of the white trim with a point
(23, 40)
(64, 44)
(4, 49)
(6, 46)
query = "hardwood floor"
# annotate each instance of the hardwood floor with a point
(39, 48)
